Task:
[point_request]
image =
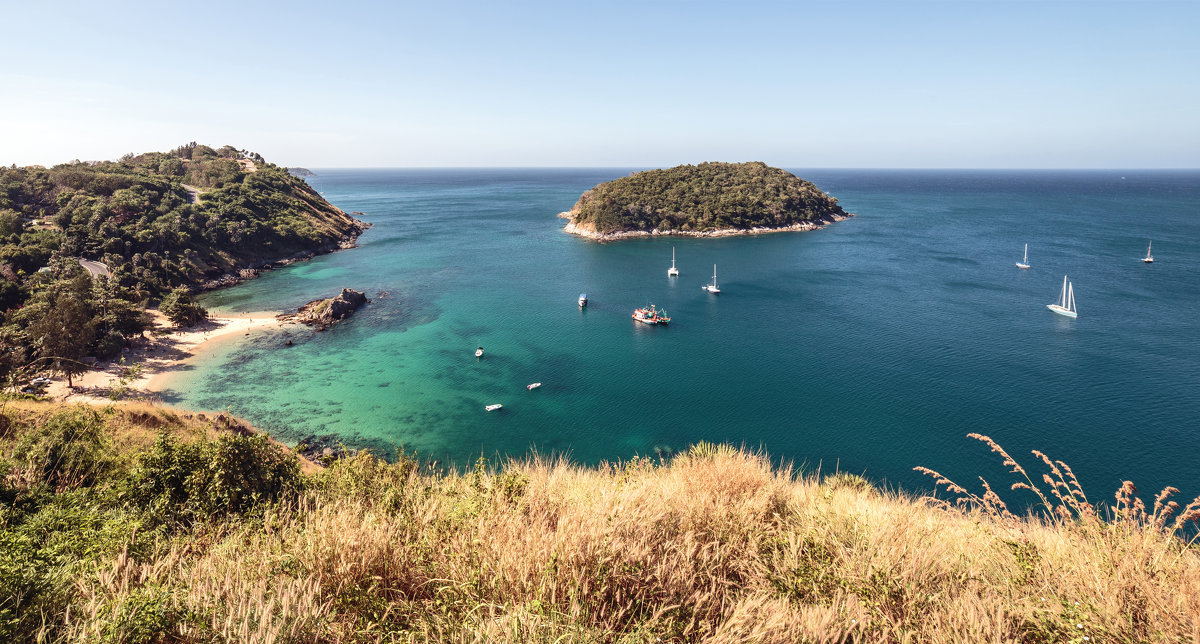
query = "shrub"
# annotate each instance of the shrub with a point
(178, 482)
(68, 450)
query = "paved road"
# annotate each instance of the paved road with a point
(95, 268)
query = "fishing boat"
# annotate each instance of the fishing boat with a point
(1025, 262)
(493, 407)
(651, 315)
(672, 272)
(533, 386)
(1149, 259)
(1066, 300)
(479, 352)
(712, 288)
(582, 300)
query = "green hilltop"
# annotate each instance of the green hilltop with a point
(153, 227)
(704, 198)
(164, 219)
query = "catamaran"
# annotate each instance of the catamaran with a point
(1066, 300)
(1149, 259)
(712, 288)
(672, 272)
(1025, 262)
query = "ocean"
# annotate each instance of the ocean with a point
(871, 346)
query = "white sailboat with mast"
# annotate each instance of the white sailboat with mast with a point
(672, 272)
(1149, 259)
(1066, 300)
(712, 288)
(1024, 263)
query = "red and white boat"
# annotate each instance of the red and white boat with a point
(651, 315)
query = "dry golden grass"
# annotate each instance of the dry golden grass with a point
(717, 545)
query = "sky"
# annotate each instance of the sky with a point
(644, 83)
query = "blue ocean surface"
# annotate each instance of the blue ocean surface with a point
(871, 346)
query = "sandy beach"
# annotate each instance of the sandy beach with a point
(162, 352)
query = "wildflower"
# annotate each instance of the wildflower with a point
(1079, 626)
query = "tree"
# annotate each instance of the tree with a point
(61, 324)
(182, 309)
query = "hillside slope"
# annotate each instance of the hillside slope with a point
(194, 216)
(109, 532)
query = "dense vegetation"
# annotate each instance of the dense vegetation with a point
(139, 524)
(704, 197)
(158, 222)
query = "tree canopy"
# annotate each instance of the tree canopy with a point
(163, 223)
(704, 197)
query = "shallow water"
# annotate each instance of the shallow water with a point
(872, 346)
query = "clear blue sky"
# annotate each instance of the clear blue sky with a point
(948, 84)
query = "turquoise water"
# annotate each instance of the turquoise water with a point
(872, 346)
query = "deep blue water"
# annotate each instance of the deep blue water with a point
(873, 345)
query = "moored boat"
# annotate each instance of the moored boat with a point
(651, 315)
(1024, 263)
(1149, 259)
(533, 386)
(712, 288)
(672, 272)
(479, 352)
(582, 300)
(493, 407)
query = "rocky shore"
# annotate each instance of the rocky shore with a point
(243, 274)
(588, 231)
(324, 313)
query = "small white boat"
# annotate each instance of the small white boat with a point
(1066, 300)
(1025, 262)
(582, 300)
(479, 352)
(672, 272)
(493, 407)
(712, 288)
(533, 386)
(1149, 259)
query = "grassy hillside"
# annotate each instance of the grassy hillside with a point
(704, 197)
(144, 525)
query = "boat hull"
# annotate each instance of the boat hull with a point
(1054, 308)
(1020, 265)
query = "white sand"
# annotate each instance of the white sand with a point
(160, 356)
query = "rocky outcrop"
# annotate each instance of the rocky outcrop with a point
(323, 314)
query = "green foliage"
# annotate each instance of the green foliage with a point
(68, 450)
(182, 309)
(708, 196)
(136, 215)
(177, 482)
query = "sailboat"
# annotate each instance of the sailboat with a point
(1066, 300)
(1024, 263)
(712, 288)
(1149, 259)
(672, 272)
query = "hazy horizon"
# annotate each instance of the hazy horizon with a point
(870, 85)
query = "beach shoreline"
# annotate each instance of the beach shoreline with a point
(163, 353)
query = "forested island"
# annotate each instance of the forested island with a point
(86, 247)
(709, 199)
